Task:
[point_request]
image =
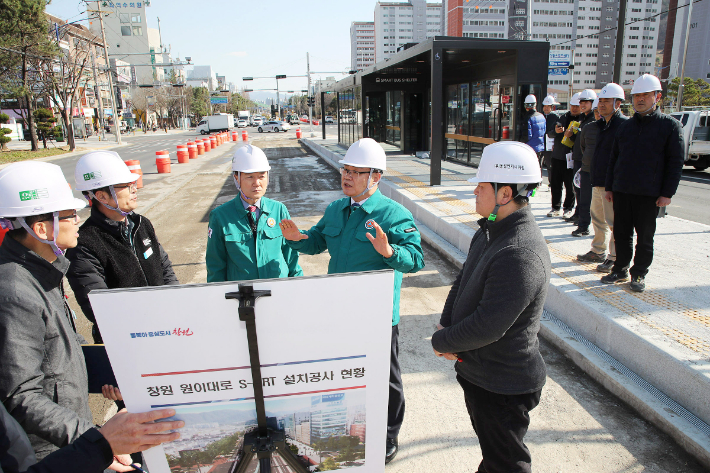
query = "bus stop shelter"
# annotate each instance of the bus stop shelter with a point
(447, 96)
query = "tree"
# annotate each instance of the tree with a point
(329, 464)
(198, 102)
(24, 31)
(46, 125)
(696, 93)
(4, 139)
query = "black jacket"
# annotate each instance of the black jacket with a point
(559, 151)
(90, 453)
(492, 314)
(647, 156)
(106, 258)
(602, 151)
(584, 120)
(551, 120)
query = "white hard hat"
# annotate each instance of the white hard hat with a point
(508, 162)
(365, 153)
(587, 94)
(575, 99)
(101, 169)
(549, 100)
(249, 158)
(646, 83)
(595, 104)
(35, 188)
(530, 99)
(612, 91)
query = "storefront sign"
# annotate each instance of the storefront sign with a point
(396, 80)
(505, 99)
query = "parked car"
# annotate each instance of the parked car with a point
(329, 119)
(275, 126)
(241, 123)
(258, 121)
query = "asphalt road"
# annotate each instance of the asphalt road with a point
(578, 425)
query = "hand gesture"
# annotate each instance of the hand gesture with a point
(290, 231)
(380, 242)
(130, 433)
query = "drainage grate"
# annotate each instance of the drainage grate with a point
(639, 381)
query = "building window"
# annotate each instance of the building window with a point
(135, 18)
(137, 31)
(125, 31)
(125, 18)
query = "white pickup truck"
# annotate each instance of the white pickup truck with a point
(696, 134)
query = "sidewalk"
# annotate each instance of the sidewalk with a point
(651, 349)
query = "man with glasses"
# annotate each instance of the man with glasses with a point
(366, 231)
(117, 247)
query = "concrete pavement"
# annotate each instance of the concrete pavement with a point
(652, 349)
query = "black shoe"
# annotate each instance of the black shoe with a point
(615, 277)
(391, 450)
(580, 232)
(591, 257)
(606, 266)
(637, 284)
(572, 219)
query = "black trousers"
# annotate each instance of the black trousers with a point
(584, 203)
(559, 175)
(395, 406)
(500, 422)
(634, 213)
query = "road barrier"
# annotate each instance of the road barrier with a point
(200, 147)
(245, 136)
(235, 136)
(162, 161)
(213, 141)
(182, 154)
(298, 133)
(506, 133)
(135, 167)
(191, 150)
(208, 144)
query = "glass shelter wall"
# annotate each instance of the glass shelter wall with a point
(350, 115)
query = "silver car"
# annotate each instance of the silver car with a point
(275, 126)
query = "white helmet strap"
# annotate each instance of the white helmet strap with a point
(53, 243)
(115, 199)
(239, 178)
(369, 186)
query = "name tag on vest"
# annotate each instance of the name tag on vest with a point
(147, 253)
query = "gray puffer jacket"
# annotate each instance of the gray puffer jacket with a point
(43, 381)
(491, 317)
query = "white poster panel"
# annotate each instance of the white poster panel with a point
(324, 345)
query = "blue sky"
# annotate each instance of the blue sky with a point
(253, 38)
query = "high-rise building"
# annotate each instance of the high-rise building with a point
(586, 28)
(400, 23)
(697, 63)
(362, 45)
(329, 416)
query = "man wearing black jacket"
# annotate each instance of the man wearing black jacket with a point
(643, 175)
(586, 116)
(117, 247)
(559, 174)
(490, 321)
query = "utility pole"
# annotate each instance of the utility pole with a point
(620, 32)
(97, 96)
(110, 76)
(681, 84)
(310, 107)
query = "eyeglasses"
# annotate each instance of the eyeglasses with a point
(352, 173)
(132, 186)
(72, 216)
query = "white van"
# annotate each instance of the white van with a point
(696, 134)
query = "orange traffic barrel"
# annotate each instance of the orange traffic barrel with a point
(182, 154)
(162, 161)
(200, 147)
(191, 150)
(235, 136)
(506, 133)
(208, 144)
(298, 133)
(245, 135)
(135, 167)
(213, 141)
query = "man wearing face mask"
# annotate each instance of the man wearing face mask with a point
(366, 231)
(643, 174)
(244, 240)
(117, 247)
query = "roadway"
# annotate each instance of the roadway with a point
(578, 425)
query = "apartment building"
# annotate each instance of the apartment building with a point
(586, 28)
(697, 63)
(399, 23)
(362, 45)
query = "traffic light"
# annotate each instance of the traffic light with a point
(311, 101)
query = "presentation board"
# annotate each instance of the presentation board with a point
(324, 346)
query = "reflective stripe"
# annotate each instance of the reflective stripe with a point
(137, 166)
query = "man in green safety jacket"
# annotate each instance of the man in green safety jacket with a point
(244, 239)
(367, 231)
